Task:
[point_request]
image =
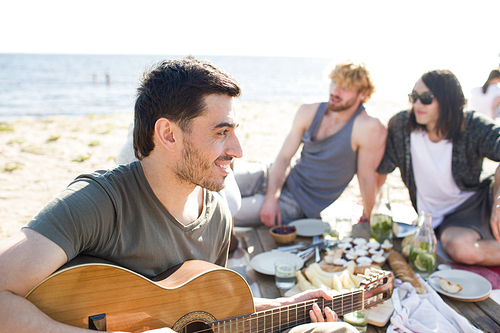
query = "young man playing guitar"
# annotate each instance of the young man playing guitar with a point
(149, 215)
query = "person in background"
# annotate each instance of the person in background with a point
(151, 214)
(338, 138)
(439, 150)
(486, 99)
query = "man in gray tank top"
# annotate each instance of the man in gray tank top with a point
(339, 139)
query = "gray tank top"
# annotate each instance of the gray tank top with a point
(325, 167)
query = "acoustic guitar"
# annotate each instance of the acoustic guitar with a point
(196, 296)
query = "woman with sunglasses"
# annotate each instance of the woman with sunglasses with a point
(439, 150)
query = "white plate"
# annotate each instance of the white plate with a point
(405, 230)
(474, 286)
(310, 227)
(264, 262)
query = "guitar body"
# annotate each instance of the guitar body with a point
(196, 292)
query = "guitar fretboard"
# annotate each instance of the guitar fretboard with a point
(279, 319)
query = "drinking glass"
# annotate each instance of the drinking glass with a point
(284, 274)
(344, 225)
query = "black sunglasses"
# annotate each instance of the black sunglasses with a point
(425, 98)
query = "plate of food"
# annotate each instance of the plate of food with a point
(310, 227)
(461, 285)
(264, 262)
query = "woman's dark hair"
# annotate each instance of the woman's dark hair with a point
(493, 74)
(448, 92)
(175, 90)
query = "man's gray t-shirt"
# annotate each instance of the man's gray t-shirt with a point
(115, 215)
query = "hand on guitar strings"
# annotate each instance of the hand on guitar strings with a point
(317, 316)
(315, 313)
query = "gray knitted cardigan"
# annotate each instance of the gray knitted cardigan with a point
(480, 138)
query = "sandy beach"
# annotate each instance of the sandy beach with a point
(39, 158)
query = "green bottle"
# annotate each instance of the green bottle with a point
(423, 246)
(381, 217)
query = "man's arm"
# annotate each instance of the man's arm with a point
(270, 210)
(380, 179)
(369, 136)
(26, 259)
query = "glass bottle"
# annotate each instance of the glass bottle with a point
(423, 246)
(381, 218)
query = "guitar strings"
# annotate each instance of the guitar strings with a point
(247, 325)
(300, 309)
(301, 313)
(303, 316)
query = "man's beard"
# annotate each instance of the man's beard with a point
(343, 106)
(195, 170)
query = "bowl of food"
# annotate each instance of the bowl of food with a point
(283, 234)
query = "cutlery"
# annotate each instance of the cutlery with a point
(291, 248)
(306, 254)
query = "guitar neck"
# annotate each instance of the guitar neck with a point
(279, 319)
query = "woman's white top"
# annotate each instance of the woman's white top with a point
(437, 191)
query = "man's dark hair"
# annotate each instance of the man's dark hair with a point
(448, 92)
(175, 90)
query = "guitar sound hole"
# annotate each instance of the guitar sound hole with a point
(196, 327)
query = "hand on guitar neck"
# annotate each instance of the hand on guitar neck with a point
(315, 314)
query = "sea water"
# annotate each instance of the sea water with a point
(40, 85)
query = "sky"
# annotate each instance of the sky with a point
(408, 37)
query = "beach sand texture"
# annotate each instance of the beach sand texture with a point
(39, 158)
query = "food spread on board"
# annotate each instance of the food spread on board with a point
(359, 251)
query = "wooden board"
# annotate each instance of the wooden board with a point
(380, 315)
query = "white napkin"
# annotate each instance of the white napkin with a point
(427, 313)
